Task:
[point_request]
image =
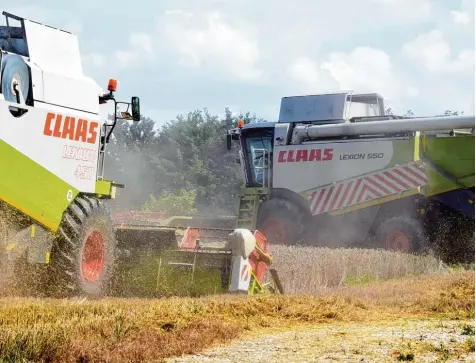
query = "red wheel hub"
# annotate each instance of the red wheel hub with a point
(275, 232)
(93, 256)
(398, 241)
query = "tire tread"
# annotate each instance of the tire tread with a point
(68, 245)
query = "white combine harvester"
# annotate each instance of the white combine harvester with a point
(53, 213)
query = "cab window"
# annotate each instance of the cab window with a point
(260, 159)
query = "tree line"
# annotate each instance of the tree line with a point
(183, 167)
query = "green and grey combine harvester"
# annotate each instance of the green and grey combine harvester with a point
(336, 170)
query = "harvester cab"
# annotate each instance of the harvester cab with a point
(54, 218)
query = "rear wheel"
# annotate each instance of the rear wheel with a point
(282, 222)
(82, 260)
(402, 234)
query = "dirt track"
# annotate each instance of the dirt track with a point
(428, 341)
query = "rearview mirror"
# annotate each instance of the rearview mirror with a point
(228, 141)
(135, 108)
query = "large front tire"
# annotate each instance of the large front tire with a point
(82, 260)
(282, 222)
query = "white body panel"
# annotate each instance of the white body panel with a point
(45, 140)
(53, 50)
(240, 274)
(305, 167)
(75, 93)
(57, 73)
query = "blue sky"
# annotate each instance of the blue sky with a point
(186, 54)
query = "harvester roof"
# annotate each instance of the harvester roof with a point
(325, 108)
(54, 59)
(330, 107)
(259, 125)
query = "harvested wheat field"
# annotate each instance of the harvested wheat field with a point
(342, 311)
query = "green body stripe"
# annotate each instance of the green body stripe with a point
(455, 156)
(103, 187)
(32, 189)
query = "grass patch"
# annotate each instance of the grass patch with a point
(467, 330)
(405, 357)
(363, 279)
(443, 350)
(131, 330)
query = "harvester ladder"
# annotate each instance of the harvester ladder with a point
(248, 209)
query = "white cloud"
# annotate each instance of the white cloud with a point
(304, 70)
(93, 60)
(434, 53)
(125, 58)
(460, 17)
(464, 61)
(143, 41)
(465, 14)
(140, 49)
(211, 40)
(368, 69)
(73, 26)
(430, 49)
(364, 69)
(414, 10)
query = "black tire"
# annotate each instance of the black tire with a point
(282, 222)
(86, 224)
(409, 229)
